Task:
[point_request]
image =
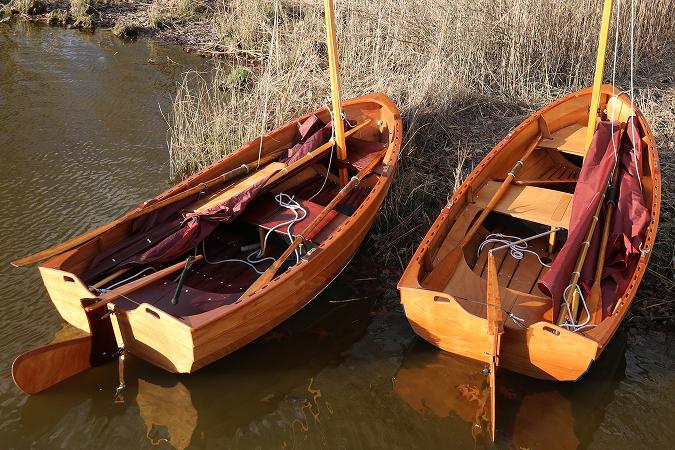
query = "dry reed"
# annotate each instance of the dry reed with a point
(462, 72)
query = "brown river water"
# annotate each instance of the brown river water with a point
(82, 140)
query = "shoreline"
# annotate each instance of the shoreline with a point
(128, 20)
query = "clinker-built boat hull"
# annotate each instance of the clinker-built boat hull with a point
(185, 343)
(454, 318)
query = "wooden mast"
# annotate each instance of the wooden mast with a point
(599, 70)
(593, 113)
(335, 87)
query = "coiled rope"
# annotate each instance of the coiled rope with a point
(517, 248)
(257, 256)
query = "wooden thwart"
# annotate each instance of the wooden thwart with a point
(272, 270)
(534, 204)
(441, 273)
(570, 139)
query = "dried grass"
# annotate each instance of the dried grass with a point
(462, 72)
(163, 13)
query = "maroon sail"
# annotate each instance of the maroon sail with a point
(629, 221)
(593, 178)
(166, 234)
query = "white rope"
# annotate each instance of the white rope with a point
(206, 259)
(569, 323)
(288, 202)
(516, 249)
(257, 256)
(330, 158)
(114, 285)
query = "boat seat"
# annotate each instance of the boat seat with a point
(534, 204)
(570, 139)
(267, 214)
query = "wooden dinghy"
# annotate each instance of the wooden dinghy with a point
(228, 254)
(178, 280)
(479, 285)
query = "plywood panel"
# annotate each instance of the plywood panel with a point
(570, 139)
(539, 205)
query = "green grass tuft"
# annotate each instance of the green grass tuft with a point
(239, 77)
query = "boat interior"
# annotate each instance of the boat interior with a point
(236, 253)
(538, 200)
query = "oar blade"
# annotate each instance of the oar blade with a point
(44, 367)
(595, 303)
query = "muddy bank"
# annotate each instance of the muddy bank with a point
(183, 22)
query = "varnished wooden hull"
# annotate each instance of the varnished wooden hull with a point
(184, 345)
(541, 349)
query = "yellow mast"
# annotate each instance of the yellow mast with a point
(335, 87)
(599, 69)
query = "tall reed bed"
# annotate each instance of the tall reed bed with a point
(425, 54)
(463, 72)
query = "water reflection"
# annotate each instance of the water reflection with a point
(436, 382)
(170, 408)
(530, 413)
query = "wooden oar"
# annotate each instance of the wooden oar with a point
(43, 367)
(441, 273)
(128, 288)
(572, 297)
(109, 278)
(79, 240)
(495, 330)
(595, 296)
(300, 238)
